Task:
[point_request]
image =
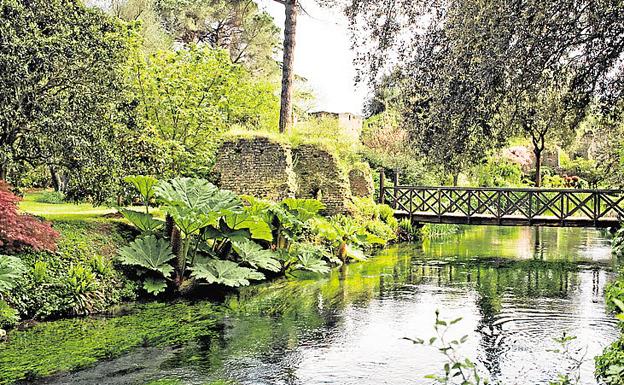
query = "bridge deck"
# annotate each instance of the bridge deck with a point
(509, 220)
(507, 206)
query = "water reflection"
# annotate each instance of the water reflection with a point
(516, 289)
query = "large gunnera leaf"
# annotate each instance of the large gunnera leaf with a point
(11, 269)
(144, 184)
(196, 194)
(154, 286)
(150, 253)
(311, 262)
(144, 222)
(257, 227)
(226, 273)
(253, 254)
(305, 208)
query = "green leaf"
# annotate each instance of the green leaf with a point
(618, 303)
(253, 254)
(197, 194)
(150, 253)
(226, 273)
(258, 228)
(310, 258)
(192, 193)
(11, 269)
(144, 184)
(144, 222)
(155, 286)
(356, 254)
(191, 221)
(305, 208)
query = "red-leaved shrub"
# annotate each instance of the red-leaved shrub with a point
(22, 230)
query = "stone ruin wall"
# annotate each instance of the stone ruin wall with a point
(268, 169)
(319, 176)
(256, 166)
(361, 183)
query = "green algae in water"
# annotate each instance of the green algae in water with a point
(67, 345)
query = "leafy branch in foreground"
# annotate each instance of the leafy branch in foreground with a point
(456, 365)
(462, 370)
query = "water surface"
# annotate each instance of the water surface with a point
(516, 289)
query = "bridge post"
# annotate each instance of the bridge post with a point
(395, 203)
(382, 185)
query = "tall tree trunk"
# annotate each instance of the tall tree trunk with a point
(538, 166)
(455, 179)
(3, 171)
(285, 120)
(56, 179)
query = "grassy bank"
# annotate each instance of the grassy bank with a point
(73, 344)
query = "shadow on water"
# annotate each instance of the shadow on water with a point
(516, 289)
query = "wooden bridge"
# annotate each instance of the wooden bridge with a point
(506, 206)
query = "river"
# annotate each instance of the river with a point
(516, 289)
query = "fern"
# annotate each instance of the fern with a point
(226, 273)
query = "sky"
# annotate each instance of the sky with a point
(323, 56)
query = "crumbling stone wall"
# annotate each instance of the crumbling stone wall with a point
(320, 176)
(361, 182)
(268, 169)
(256, 166)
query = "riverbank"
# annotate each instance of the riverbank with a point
(515, 288)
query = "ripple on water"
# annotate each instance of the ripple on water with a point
(516, 290)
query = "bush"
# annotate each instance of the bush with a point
(8, 316)
(52, 197)
(78, 279)
(497, 172)
(17, 230)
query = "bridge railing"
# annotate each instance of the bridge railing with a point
(505, 203)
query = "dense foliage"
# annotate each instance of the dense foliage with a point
(188, 97)
(474, 72)
(212, 236)
(60, 93)
(78, 279)
(610, 364)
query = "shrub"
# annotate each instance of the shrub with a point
(8, 316)
(497, 172)
(78, 278)
(22, 230)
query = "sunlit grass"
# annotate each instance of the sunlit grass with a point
(69, 211)
(61, 211)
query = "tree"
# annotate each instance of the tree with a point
(62, 76)
(541, 114)
(466, 61)
(239, 27)
(288, 62)
(188, 97)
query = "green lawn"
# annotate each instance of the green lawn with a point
(62, 211)
(70, 211)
